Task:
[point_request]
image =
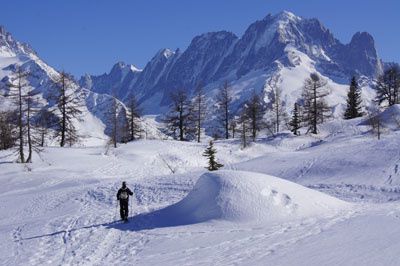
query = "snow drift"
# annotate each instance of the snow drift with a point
(238, 196)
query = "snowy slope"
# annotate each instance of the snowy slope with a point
(62, 209)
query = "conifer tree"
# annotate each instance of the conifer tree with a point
(210, 152)
(198, 110)
(315, 108)
(224, 100)
(19, 83)
(26, 100)
(67, 99)
(354, 101)
(7, 130)
(233, 126)
(179, 118)
(277, 114)
(296, 121)
(254, 112)
(112, 119)
(44, 121)
(243, 127)
(133, 117)
(32, 106)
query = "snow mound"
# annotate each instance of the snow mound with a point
(238, 196)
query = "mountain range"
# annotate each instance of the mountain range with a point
(277, 42)
(280, 50)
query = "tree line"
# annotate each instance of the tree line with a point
(187, 115)
(34, 121)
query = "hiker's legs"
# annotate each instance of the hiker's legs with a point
(121, 210)
(124, 209)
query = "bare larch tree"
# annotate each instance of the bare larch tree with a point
(134, 113)
(179, 118)
(224, 100)
(67, 98)
(199, 110)
(17, 85)
(388, 87)
(255, 111)
(315, 109)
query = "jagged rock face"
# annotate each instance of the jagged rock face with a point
(9, 46)
(214, 57)
(112, 83)
(202, 58)
(362, 55)
(156, 70)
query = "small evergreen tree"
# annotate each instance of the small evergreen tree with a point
(295, 122)
(354, 101)
(210, 154)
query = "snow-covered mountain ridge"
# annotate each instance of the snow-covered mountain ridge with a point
(275, 49)
(94, 122)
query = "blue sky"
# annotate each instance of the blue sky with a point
(89, 36)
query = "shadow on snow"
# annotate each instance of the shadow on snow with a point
(166, 217)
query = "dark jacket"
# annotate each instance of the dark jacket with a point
(123, 190)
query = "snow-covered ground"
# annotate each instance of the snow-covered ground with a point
(326, 200)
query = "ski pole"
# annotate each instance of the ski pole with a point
(130, 207)
(116, 211)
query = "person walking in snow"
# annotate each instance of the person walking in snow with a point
(123, 196)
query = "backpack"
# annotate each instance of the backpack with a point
(124, 195)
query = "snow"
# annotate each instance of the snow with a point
(268, 206)
(135, 69)
(167, 53)
(245, 197)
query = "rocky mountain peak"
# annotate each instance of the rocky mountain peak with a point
(363, 40)
(10, 46)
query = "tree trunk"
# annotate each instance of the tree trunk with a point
(20, 123)
(29, 160)
(181, 123)
(64, 114)
(315, 113)
(226, 121)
